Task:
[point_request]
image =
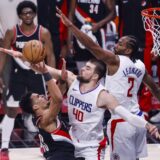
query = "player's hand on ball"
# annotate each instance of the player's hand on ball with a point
(34, 51)
(39, 67)
(13, 53)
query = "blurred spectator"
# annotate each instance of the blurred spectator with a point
(47, 17)
(22, 78)
(100, 13)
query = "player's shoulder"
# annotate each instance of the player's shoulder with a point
(10, 32)
(43, 29)
(44, 32)
(126, 61)
(139, 64)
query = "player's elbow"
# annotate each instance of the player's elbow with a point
(58, 100)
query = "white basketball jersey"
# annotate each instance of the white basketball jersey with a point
(84, 115)
(140, 65)
(125, 83)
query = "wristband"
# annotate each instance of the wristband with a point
(47, 76)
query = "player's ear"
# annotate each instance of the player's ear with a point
(128, 51)
(35, 107)
(34, 15)
(95, 76)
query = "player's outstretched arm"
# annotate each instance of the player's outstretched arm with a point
(12, 53)
(55, 96)
(153, 87)
(110, 102)
(105, 55)
(57, 74)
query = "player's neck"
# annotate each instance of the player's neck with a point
(85, 87)
(28, 29)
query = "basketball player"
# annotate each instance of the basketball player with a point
(55, 140)
(122, 80)
(87, 101)
(129, 20)
(8, 19)
(100, 12)
(21, 77)
(47, 17)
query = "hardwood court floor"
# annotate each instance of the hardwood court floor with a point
(34, 153)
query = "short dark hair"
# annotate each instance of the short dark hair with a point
(26, 103)
(100, 67)
(133, 43)
(26, 4)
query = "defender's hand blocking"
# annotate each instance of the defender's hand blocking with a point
(39, 67)
(64, 73)
(12, 53)
(64, 19)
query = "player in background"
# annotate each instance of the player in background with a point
(122, 81)
(47, 17)
(100, 13)
(21, 77)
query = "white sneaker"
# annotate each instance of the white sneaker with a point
(28, 123)
(156, 118)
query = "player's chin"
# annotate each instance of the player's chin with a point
(28, 22)
(82, 79)
(115, 50)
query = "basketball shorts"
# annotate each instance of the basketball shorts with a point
(22, 81)
(62, 156)
(126, 142)
(89, 151)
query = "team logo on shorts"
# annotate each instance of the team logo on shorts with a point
(115, 156)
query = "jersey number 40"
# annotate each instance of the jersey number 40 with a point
(78, 114)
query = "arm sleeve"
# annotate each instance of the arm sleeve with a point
(130, 118)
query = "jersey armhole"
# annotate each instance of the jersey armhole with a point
(40, 33)
(14, 34)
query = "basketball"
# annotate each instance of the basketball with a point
(33, 51)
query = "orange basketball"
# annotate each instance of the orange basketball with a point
(33, 51)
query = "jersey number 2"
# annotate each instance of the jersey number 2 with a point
(131, 82)
(78, 114)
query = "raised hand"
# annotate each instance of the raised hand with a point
(13, 53)
(64, 73)
(64, 19)
(39, 67)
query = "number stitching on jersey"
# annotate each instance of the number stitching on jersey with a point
(78, 114)
(131, 82)
(93, 9)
